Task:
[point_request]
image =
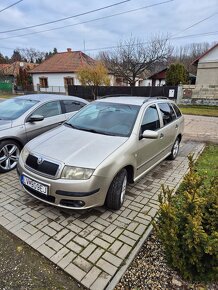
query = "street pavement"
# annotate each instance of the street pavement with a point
(94, 246)
(200, 128)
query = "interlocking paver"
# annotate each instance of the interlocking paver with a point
(96, 255)
(82, 264)
(115, 247)
(54, 245)
(101, 282)
(91, 276)
(73, 270)
(112, 259)
(90, 245)
(66, 260)
(88, 250)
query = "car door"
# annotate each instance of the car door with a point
(170, 126)
(70, 107)
(148, 150)
(53, 117)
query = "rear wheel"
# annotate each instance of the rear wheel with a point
(9, 155)
(175, 150)
(116, 192)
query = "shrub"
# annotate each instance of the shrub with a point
(187, 226)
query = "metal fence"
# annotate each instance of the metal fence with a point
(6, 87)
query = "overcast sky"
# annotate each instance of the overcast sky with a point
(172, 18)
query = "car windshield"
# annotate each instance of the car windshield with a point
(106, 118)
(13, 108)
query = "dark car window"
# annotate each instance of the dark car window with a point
(167, 112)
(72, 106)
(13, 108)
(150, 120)
(49, 109)
(176, 109)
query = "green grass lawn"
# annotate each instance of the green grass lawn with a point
(211, 111)
(4, 96)
(207, 163)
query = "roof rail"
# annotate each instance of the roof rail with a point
(155, 98)
(115, 95)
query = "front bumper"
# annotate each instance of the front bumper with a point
(72, 194)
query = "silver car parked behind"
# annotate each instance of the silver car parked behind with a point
(25, 117)
(88, 160)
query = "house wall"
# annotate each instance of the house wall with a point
(55, 81)
(207, 73)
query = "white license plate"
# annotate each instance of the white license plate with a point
(34, 184)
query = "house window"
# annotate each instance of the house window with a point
(68, 81)
(43, 82)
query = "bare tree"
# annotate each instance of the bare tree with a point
(133, 57)
(32, 54)
(188, 53)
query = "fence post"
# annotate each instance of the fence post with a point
(179, 94)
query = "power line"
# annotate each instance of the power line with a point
(65, 18)
(11, 5)
(174, 38)
(196, 23)
(88, 21)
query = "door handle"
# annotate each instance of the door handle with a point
(161, 135)
(177, 126)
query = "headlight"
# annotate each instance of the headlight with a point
(76, 173)
(24, 154)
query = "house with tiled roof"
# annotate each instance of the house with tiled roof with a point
(207, 67)
(60, 70)
(9, 73)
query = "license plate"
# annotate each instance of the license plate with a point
(39, 187)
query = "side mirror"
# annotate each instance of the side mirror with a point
(35, 118)
(149, 134)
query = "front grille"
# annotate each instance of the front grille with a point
(48, 198)
(45, 167)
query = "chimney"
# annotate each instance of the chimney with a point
(69, 49)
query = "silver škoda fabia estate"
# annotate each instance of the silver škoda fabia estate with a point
(88, 161)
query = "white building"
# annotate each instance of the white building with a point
(207, 71)
(58, 71)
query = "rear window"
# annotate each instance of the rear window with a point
(176, 109)
(167, 112)
(72, 106)
(14, 108)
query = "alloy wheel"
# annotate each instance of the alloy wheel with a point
(123, 190)
(9, 155)
(176, 148)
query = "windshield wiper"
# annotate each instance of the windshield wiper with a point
(70, 125)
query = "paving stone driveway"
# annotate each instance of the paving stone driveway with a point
(97, 245)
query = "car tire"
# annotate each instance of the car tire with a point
(9, 155)
(175, 150)
(116, 192)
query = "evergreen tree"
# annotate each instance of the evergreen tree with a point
(176, 74)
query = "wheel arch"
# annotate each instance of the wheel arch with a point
(18, 141)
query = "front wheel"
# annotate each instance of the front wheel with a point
(9, 155)
(175, 150)
(116, 192)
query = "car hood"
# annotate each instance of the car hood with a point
(5, 124)
(75, 147)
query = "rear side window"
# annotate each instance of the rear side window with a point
(150, 120)
(176, 109)
(167, 113)
(72, 106)
(49, 110)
